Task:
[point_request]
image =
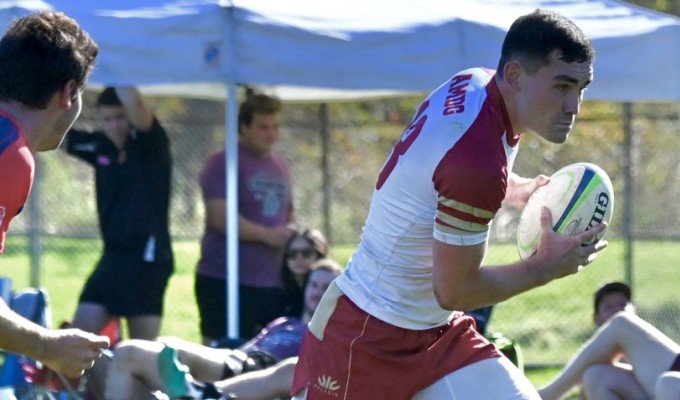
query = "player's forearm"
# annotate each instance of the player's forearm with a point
(19, 335)
(490, 285)
(502, 282)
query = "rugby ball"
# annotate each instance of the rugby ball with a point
(579, 196)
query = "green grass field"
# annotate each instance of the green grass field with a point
(549, 322)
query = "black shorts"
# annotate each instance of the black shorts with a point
(127, 286)
(257, 307)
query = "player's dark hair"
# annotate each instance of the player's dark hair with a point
(39, 54)
(108, 97)
(257, 104)
(533, 38)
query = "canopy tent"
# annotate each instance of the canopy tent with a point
(307, 49)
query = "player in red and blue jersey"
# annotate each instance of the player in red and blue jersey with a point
(45, 60)
(392, 327)
(16, 172)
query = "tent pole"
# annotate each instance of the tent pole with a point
(231, 160)
(35, 227)
(628, 190)
(325, 169)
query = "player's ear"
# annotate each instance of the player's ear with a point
(512, 74)
(68, 93)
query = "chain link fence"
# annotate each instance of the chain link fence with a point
(335, 152)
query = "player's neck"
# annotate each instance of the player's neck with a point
(30, 121)
(508, 94)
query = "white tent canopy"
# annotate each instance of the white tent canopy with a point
(308, 49)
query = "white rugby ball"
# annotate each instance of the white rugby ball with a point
(579, 196)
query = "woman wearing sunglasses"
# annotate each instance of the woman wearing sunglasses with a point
(301, 251)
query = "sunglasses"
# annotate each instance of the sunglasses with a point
(306, 253)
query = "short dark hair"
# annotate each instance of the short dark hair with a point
(608, 288)
(533, 38)
(39, 54)
(257, 104)
(108, 97)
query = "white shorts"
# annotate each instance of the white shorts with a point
(493, 378)
(483, 380)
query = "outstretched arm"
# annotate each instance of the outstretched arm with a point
(70, 351)
(138, 112)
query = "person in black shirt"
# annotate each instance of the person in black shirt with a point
(132, 163)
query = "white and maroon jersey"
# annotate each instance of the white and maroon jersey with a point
(446, 177)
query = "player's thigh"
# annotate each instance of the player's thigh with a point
(301, 395)
(491, 379)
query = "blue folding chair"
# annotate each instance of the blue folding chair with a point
(30, 379)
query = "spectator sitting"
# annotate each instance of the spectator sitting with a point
(161, 364)
(653, 356)
(609, 299)
(653, 359)
(303, 248)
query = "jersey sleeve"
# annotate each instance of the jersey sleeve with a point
(470, 182)
(468, 201)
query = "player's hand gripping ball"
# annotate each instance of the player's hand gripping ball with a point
(579, 196)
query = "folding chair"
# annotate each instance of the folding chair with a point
(28, 378)
(39, 382)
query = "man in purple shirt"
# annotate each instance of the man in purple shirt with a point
(265, 209)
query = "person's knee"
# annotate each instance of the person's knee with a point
(667, 386)
(132, 352)
(622, 320)
(125, 352)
